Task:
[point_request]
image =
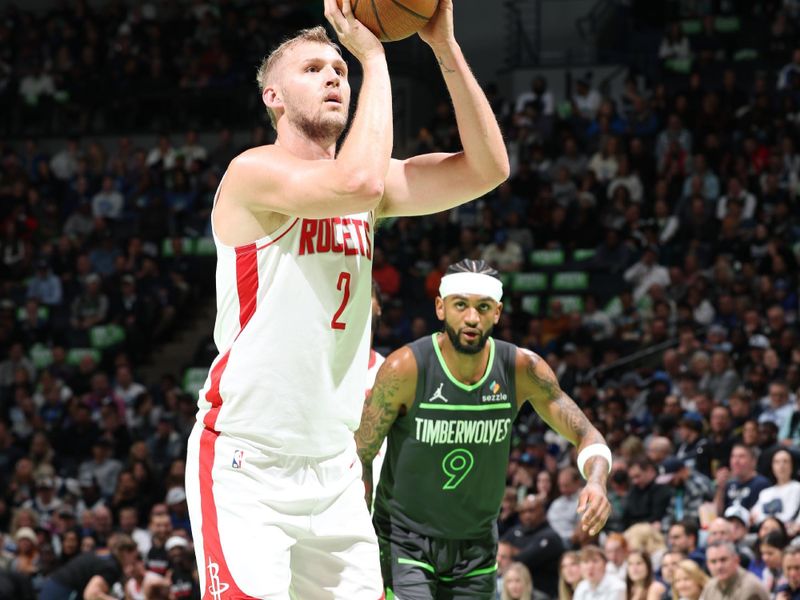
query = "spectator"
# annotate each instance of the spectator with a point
(646, 273)
(539, 546)
(741, 485)
(728, 579)
(596, 583)
(683, 538)
(616, 551)
(45, 286)
(690, 489)
(689, 581)
(640, 580)
(790, 589)
(781, 500)
(647, 500)
(562, 515)
(92, 575)
(517, 584)
(570, 575)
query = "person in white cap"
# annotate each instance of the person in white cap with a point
(447, 403)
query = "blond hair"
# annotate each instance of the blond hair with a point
(565, 590)
(645, 538)
(527, 583)
(695, 573)
(266, 69)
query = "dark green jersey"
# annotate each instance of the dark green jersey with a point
(445, 469)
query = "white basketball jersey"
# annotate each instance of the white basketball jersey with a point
(293, 334)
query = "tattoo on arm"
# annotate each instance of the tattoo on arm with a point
(445, 68)
(377, 418)
(558, 409)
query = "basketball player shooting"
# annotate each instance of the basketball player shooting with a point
(273, 480)
(447, 403)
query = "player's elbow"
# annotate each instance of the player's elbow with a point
(364, 189)
(499, 171)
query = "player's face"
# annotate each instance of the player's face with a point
(468, 320)
(314, 90)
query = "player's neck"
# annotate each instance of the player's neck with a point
(304, 147)
(467, 368)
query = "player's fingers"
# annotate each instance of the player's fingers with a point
(583, 499)
(334, 15)
(347, 10)
(600, 518)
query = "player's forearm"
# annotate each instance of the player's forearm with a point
(481, 138)
(367, 150)
(366, 477)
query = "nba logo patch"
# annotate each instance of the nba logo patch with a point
(238, 459)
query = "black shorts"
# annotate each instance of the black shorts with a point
(417, 567)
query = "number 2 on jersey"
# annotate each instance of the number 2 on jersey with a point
(457, 465)
(343, 285)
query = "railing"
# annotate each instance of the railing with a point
(524, 23)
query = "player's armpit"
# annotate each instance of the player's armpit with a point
(431, 183)
(268, 178)
(537, 384)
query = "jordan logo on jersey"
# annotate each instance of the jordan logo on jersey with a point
(437, 395)
(339, 235)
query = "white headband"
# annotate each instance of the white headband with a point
(471, 283)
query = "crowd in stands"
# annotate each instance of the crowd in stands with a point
(660, 223)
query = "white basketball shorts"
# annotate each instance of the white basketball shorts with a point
(279, 527)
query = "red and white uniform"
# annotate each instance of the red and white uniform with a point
(273, 480)
(293, 320)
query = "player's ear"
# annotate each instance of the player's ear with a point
(271, 97)
(439, 308)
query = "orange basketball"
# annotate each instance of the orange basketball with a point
(393, 20)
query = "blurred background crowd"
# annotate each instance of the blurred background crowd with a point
(648, 240)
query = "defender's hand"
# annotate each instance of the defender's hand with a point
(594, 508)
(439, 29)
(359, 40)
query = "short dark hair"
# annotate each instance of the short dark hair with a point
(643, 463)
(473, 266)
(690, 527)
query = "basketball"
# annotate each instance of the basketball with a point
(393, 20)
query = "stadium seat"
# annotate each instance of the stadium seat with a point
(679, 65)
(530, 304)
(41, 356)
(569, 303)
(205, 247)
(193, 379)
(529, 282)
(106, 336)
(727, 24)
(583, 254)
(745, 54)
(166, 247)
(691, 26)
(571, 281)
(43, 312)
(547, 258)
(75, 355)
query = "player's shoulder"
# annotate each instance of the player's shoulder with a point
(257, 155)
(401, 362)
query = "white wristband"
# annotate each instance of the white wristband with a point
(591, 451)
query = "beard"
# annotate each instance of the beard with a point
(467, 349)
(322, 127)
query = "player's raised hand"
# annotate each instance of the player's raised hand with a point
(594, 508)
(439, 29)
(359, 40)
